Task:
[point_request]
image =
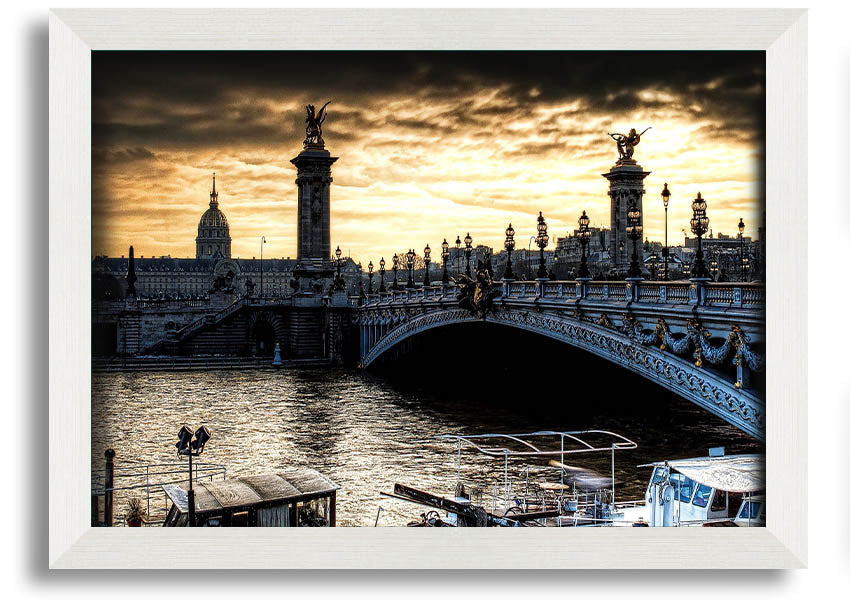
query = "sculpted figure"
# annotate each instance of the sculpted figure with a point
(314, 125)
(477, 295)
(626, 142)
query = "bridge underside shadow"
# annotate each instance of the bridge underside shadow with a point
(490, 378)
(513, 365)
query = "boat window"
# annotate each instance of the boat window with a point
(313, 513)
(719, 502)
(750, 510)
(702, 494)
(239, 519)
(683, 487)
(657, 474)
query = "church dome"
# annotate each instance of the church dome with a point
(213, 231)
(213, 217)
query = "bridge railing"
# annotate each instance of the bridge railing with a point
(696, 292)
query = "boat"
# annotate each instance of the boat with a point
(288, 497)
(701, 491)
(291, 497)
(558, 495)
(704, 491)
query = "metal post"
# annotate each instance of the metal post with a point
(108, 484)
(666, 247)
(191, 495)
(612, 477)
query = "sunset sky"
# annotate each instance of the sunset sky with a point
(430, 145)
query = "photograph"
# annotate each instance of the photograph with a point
(428, 288)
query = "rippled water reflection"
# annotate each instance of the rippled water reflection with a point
(367, 433)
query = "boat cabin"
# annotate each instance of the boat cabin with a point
(294, 497)
(698, 491)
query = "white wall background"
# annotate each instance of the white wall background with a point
(24, 303)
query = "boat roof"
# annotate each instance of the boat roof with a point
(290, 484)
(739, 473)
(543, 443)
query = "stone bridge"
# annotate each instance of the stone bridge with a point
(699, 339)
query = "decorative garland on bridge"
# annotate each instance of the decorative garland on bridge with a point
(696, 338)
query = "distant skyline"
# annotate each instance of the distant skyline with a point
(430, 145)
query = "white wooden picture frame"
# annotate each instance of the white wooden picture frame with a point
(74, 34)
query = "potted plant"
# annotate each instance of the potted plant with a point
(136, 513)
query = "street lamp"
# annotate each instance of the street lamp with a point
(371, 274)
(445, 247)
(653, 265)
(262, 243)
(381, 266)
(542, 242)
(665, 252)
(468, 251)
(741, 245)
(583, 239)
(339, 268)
(510, 244)
(410, 256)
(634, 230)
(457, 254)
(395, 271)
(186, 446)
(427, 252)
(699, 225)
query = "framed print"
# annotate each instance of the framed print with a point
(492, 274)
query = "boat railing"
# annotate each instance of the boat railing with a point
(129, 480)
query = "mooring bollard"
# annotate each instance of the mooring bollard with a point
(108, 484)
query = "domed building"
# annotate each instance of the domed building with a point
(213, 239)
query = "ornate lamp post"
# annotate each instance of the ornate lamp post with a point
(468, 252)
(634, 230)
(410, 256)
(338, 253)
(371, 274)
(741, 246)
(381, 266)
(510, 244)
(583, 238)
(665, 252)
(187, 446)
(542, 242)
(427, 281)
(457, 254)
(395, 271)
(699, 225)
(445, 247)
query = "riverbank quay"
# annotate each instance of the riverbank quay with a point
(119, 364)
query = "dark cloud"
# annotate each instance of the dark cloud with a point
(209, 89)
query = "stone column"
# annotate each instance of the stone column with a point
(625, 181)
(314, 215)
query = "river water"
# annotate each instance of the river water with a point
(367, 433)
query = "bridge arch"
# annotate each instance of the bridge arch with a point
(265, 331)
(711, 391)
